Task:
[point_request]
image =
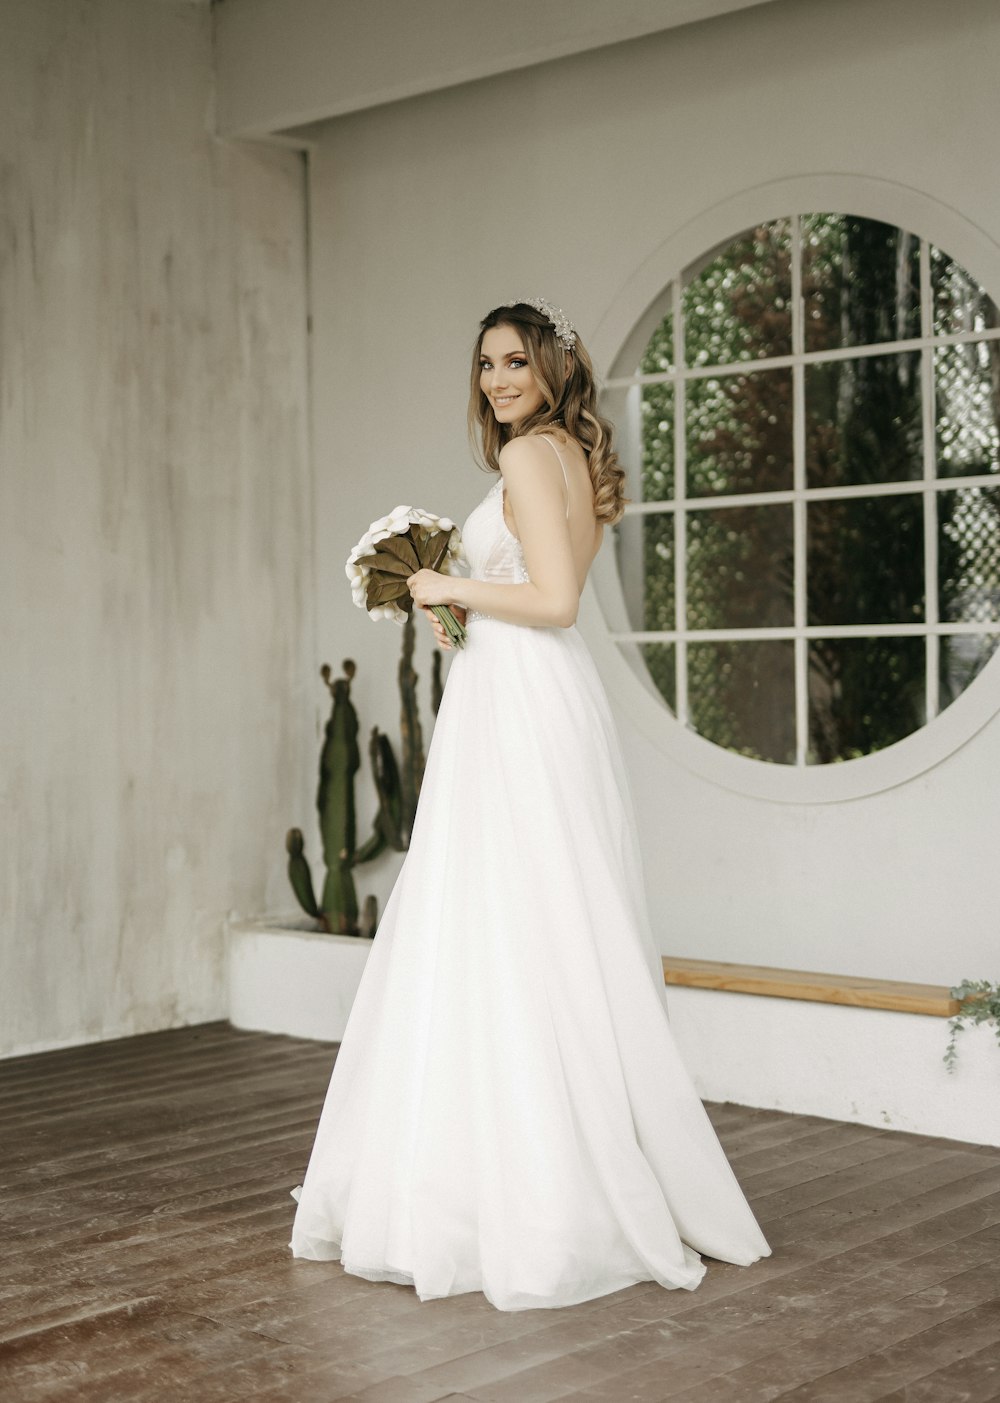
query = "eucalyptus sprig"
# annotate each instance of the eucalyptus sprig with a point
(979, 1002)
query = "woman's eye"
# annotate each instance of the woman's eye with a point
(518, 364)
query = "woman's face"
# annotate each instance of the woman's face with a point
(505, 377)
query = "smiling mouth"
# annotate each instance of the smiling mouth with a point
(501, 400)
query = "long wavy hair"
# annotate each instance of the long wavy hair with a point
(570, 403)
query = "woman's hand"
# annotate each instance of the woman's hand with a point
(431, 587)
(440, 632)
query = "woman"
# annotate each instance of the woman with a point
(508, 1112)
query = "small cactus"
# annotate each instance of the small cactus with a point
(299, 874)
(397, 792)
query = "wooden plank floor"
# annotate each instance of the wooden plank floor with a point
(145, 1211)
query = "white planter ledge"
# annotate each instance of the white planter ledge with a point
(287, 977)
(865, 1065)
(871, 1065)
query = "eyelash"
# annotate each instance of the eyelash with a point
(518, 361)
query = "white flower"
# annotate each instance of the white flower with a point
(397, 523)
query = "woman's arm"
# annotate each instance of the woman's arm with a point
(534, 484)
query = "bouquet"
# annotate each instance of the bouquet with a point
(396, 547)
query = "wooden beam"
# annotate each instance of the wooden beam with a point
(857, 992)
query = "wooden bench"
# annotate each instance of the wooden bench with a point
(857, 992)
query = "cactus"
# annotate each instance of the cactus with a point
(437, 687)
(339, 761)
(388, 826)
(299, 874)
(397, 792)
(369, 916)
(411, 732)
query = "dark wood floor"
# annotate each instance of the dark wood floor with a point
(145, 1213)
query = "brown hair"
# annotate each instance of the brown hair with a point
(570, 402)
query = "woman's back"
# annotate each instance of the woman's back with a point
(586, 532)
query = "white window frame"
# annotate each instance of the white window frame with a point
(627, 675)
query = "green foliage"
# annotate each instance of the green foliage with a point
(864, 424)
(398, 793)
(979, 1002)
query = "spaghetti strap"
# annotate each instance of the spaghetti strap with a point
(555, 450)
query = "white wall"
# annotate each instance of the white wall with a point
(568, 180)
(281, 63)
(158, 692)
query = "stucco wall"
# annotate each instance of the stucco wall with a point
(568, 180)
(156, 602)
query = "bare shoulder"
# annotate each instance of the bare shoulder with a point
(571, 450)
(526, 448)
(525, 458)
(562, 437)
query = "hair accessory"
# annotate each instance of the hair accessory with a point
(564, 329)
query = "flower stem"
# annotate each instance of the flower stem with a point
(454, 630)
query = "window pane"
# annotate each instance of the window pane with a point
(969, 555)
(864, 694)
(644, 545)
(657, 443)
(960, 304)
(863, 420)
(661, 661)
(738, 307)
(739, 433)
(967, 403)
(659, 354)
(866, 561)
(860, 282)
(742, 697)
(863, 431)
(963, 657)
(739, 568)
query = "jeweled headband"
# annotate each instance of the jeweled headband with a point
(564, 329)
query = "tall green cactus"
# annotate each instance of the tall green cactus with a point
(338, 763)
(340, 760)
(411, 733)
(397, 797)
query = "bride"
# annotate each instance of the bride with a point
(508, 1112)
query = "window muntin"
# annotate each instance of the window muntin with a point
(793, 432)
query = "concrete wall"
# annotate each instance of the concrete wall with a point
(158, 691)
(569, 180)
(281, 63)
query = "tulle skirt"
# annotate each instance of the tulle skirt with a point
(508, 1112)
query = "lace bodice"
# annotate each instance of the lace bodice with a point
(494, 552)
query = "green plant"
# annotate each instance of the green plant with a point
(979, 1002)
(398, 792)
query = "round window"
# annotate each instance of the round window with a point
(810, 562)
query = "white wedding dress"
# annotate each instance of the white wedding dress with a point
(508, 1112)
